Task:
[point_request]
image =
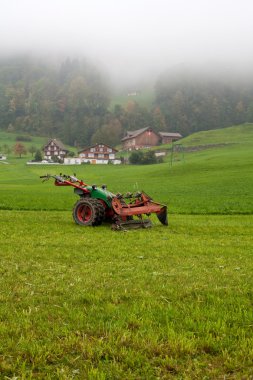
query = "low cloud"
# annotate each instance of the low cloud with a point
(131, 40)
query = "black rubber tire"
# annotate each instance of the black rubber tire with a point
(88, 212)
(100, 212)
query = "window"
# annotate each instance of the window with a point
(101, 149)
(100, 155)
(91, 155)
(92, 150)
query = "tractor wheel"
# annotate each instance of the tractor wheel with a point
(100, 212)
(87, 212)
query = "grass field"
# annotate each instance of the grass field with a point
(211, 181)
(163, 303)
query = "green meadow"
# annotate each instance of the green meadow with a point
(144, 98)
(170, 302)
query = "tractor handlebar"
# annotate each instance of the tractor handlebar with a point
(56, 177)
(62, 178)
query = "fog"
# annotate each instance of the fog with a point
(131, 40)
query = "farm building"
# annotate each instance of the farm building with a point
(141, 138)
(169, 137)
(54, 148)
(146, 138)
(96, 154)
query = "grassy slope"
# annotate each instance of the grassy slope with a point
(165, 303)
(214, 181)
(10, 140)
(145, 99)
(236, 134)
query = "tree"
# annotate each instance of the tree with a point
(38, 155)
(70, 102)
(32, 149)
(193, 101)
(135, 117)
(19, 149)
(143, 158)
(109, 134)
(159, 120)
(240, 112)
(6, 149)
(136, 157)
(149, 158)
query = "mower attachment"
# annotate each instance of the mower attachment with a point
(139, 204)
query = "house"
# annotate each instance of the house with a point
(96, 154)
(169, 137)
(141, 138)
(54, 148)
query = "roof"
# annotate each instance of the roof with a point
(169, 134)
(58, 143)
(132, 134)
(93, 146)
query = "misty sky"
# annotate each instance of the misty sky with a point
(131, 38)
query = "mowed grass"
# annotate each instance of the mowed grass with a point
(91, 303)
(163, 303)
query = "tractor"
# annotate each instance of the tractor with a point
(97, 204)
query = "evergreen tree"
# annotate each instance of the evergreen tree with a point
(38, 155)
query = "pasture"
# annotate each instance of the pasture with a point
(163, 303)
(144, 98)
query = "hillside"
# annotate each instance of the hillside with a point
(9, 139)
(218, 180)
(144, 98)
(239, 134)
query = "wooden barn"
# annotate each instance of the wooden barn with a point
(141, 138)
(169, 137)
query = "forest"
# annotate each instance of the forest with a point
(71, 101)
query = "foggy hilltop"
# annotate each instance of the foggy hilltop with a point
(63, 65)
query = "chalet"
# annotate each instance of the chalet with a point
(54, 148)
(141, 138)
(96, 154)
(169, 137)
